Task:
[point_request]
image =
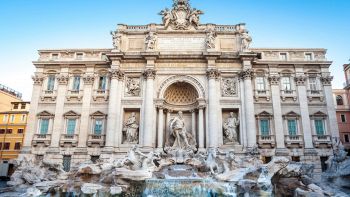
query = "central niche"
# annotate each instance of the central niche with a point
(181, 93)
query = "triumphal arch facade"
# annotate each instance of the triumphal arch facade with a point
(183, 84)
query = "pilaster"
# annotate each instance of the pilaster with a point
(148, 107)
(213, 105)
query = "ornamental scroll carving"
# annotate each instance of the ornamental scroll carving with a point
(229, 87)
(88, 79)
(274, 79)
(213, 74)
(327, 80)
(62, 79)
(247, 74)
(38, 79)
(300, 80)
(181, 16)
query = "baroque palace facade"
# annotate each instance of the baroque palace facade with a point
(97, 103)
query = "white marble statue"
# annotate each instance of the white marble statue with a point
(178, 130)
(230, 127)
(133, 87)
(210, 40)
(131, 130)
(194, 17)
(150, 41)
(246, 40)
(167, 17)
(117, 39)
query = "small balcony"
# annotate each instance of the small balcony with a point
(266, 141)
(74, 94)
(99, 93)
(262, 94)
(48, 95)
(294, 141)
(96, 140)
(312, 94)
(69, 140)
(288, 94)
(41, 139)
(322, 141)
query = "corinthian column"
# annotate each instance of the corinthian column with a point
(112, 135)
(246, 76)
(213, 75)
(333, 123)
(148, 107)
(59, 121)
(30, 130)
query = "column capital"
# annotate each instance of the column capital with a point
(247, 74)
(116, 74)
(169, 110)
(63, 79)
(274, 79)
(160, 107)
(326, 80)
(193, 110)
(300, 80)
(201, 107)
(213, 73)
(89, 79)
(38, 79)
(150, 73)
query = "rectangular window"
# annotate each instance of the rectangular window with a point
(292, 127)
(308, 56)
(0, 145)
(264, 127)
(2, 131)
(23, 106)
(7, 146)
(102, 83)
(71, 126)
(260, 83)
(23, 118)
(347, 138)
(66, 163)
(295, 158)
(313, 84)
(94, 159)
(44, 126)
(17, 146)
(12, 119)
(9, 131)
(51, 83)
(15, 106)
(286, 84)
(98, 127)
(342, 117)
(284, 56)
(5, 118)
(319, 125)
(20, 131)
(324, 163)
(79, 56)
(76, 83)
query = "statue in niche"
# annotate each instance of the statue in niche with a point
(150, 41)
(230, 128)
(210, 41)
(133, 87)
(130, 130)
(228, 87)
(178, 130)
(246, 40)
(117, 39)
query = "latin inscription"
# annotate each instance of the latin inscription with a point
(181, 44)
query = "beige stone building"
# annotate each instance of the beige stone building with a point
(97, 103)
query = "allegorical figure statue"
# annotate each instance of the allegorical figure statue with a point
(246, 40)
(131, 130)
(133, 87)
(167, 17)
(230, 128)
(194, 17)
(210, 40)
(117, 39)
(150, 41)
(178, 130)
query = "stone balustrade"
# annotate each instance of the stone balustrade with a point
(41, 139)
(322, 140)
(266, 141)
(68, 139)
(94, 139)
(294, 141)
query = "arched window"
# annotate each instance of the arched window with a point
(339, 100)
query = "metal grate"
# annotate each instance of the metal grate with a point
(66, 163)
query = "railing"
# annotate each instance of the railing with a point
(266, 140)
(287, 92)
(10, 91)
(261, 94)
(137, 28)
(99, 93)
(291, 140)
(75, 94)
(225, 28)
(96, 139)
(41, 138)
(322, 140)
(69, 139)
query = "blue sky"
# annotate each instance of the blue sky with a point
(29, 25)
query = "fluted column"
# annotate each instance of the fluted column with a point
(193, 112)
(112, 135)
(247, 75)
(32, 122)
(333, 123)
(58, 123)
(149, 75)
(160, 126)
(201, 127)
(304, 111)
(277, 111)
(85, 112)
(213, 75)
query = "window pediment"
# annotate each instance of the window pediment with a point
(45, 114)
(98, 114)
(291, 114)
(71, 114)
(318, 114)
(264, 114)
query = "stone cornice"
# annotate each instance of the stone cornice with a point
(281, 62)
